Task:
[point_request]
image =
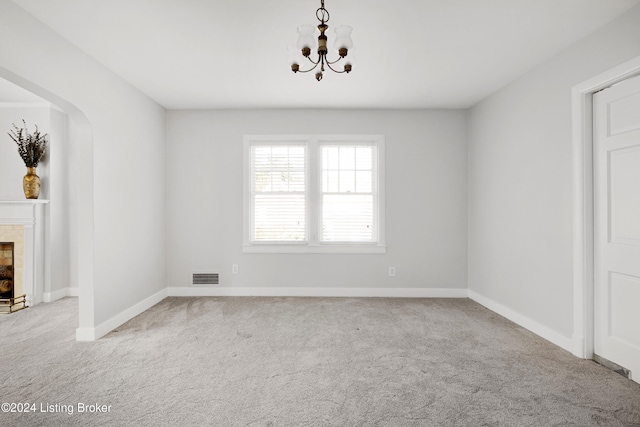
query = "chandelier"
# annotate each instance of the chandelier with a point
(306, 42)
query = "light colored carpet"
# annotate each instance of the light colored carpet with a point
(304, 362)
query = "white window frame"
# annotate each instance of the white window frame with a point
(313, 195)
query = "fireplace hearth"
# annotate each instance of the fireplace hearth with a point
(9, 301)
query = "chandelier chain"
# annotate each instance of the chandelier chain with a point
(322, 14)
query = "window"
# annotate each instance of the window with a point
(309, 194)
(347, 201)
(278, 193)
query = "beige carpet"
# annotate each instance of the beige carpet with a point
(302, 362)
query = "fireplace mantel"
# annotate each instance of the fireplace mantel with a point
(30, 214)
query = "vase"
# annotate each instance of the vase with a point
(31, 184)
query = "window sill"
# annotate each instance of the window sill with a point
(314, 249)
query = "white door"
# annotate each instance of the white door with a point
(617, 224)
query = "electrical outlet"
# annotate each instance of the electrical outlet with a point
(392, 271)
(234, 268)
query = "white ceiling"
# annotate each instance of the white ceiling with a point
(411, 53)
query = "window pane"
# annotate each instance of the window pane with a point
(364, 156)
(363, 182)
(296, 179)
(330, 181)
(262, 181)
(330, 156)
(347, 158)
(279, 217)
(347, 181)
(287, 180)
(296, 157)
(279, 156)
(261, 156)
(347, 218)
(279, 180)
(278, 168)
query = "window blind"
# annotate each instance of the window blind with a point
(278, 192)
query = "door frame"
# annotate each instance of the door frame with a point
(583, 207)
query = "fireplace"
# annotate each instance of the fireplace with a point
(6, 270)
(9, 301)
(22, 224)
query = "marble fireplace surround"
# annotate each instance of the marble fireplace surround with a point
(29, 260)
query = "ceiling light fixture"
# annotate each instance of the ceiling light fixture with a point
(306, 42)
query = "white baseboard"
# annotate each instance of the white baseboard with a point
(215, 291)
(527, 323)
(60, 293)
(85, 334)
(55, 295)
(579, 349)
(92, 334)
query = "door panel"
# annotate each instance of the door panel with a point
(624, 195)
(617, 224)
(623, 114)
(624, 294)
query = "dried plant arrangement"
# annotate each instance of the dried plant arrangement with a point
(31, 146)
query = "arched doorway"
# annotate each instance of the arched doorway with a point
(70, 188)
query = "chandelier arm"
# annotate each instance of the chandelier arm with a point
(337, 60)
(310, 69)
(332, 69)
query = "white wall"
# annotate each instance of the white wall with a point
(426, 212)
(58, 187)
(520, 230)
(118, 137)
